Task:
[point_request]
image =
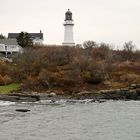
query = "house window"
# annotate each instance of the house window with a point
(6, 48)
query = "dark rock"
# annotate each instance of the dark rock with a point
(131, 95)
(138, 86)
(101, 101)
(71, 101)
(138, 91)
(20, 98)
(22, 110)
(36, 97)
(124, 89)
(9, 98)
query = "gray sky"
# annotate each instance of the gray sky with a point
(110, 21)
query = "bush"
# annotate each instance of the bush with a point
(1, 80)
(103, 52)
(7, 80)
(2, 68)
(32, 83)
(130, 78)
(95, 77)
(36, 82)
(4, 80)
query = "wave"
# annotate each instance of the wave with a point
(6, 103)
(63, 101)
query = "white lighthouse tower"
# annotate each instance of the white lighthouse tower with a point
(68, 27)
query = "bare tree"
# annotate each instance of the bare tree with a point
(129, 48)
(89, 44)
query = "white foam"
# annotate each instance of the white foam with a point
(65, 101)
(6, 103)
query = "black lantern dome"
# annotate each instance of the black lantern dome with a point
(68, 15)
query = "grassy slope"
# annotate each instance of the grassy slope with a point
(9, 88)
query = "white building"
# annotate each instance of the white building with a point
(9, 46)
(37, 38)
(68, 29)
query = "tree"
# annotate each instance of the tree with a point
(129, 46)
(2, 36)
(89, 44)
(24, 40)
(128, 50)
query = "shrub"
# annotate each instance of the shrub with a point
(128, 51)
(32, 83)
(4, 80)
(1, 80)
(103, 52)
(93, 76)
(130, 78)
(7, 80)
(2, 68)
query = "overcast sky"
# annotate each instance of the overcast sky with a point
(110, 21)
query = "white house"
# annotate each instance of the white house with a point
(9, 46)
(37, 38)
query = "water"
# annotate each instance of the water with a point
(111, 120)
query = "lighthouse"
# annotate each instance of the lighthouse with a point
(68, 29)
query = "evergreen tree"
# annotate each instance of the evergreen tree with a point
(24, 40)
(2, 36)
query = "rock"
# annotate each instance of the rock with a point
(18, 97)
(138, 86)
(106, 82)
(101, 101)
(131, 95)
(9, 98)
(22, 110)
(124, 89)
(138, 91)
(27, 99)
(132, 91)
(111, 91)
(71, 101)
(133, 85)
(84, 93)
(34, 93)
(52, 94)
(36, 97)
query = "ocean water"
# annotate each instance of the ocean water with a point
(111, 120)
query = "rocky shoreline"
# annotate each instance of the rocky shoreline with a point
(129, 93)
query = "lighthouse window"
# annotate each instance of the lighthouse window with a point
(69, 17)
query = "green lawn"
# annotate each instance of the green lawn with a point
(9, 88)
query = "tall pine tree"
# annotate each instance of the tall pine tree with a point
(2, 36)
(24, 40)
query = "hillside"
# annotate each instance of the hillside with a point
(72, 69)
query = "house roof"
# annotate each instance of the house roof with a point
(33, 35)
(8, 41)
